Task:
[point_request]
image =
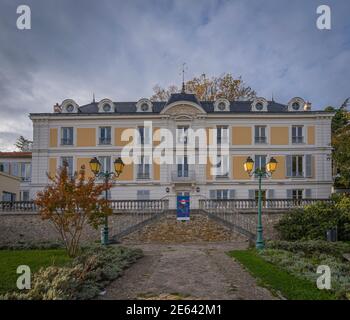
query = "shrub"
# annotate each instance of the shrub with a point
(87, 275)
(312, 247)
(314, 221)
(32, 245)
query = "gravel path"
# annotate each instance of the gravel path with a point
(192, 271)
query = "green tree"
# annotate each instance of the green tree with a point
(23, 144)
(341, 145)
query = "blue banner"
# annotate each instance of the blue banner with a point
(183, 208)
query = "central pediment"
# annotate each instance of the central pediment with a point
(184, 104)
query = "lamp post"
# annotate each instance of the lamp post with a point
(260, 172)
(95, 167)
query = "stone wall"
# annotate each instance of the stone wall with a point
(29, 227)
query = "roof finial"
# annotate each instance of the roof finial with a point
(93, 97)
(272, 99)
(183, 78)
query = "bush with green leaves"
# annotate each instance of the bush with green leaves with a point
(84, 278)
(314, 220)
(302, 259)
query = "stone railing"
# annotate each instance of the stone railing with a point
(242, 204)
(17, 206)
(154, 206)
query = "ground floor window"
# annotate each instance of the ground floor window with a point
(297, 194)
(143, 194)
(8, 196)
(24, 195)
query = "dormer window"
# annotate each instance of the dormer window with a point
(296, 104)
(221, 104)
(259, 105)
(107, 107)
(70, 108)
(144, 105)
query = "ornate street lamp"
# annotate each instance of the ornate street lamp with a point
(95, 167)
(269, 169)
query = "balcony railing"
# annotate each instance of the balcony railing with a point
(184, 176)
(104, 141)
(66, 142)
(260, 140)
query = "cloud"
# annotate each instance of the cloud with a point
(121, 49)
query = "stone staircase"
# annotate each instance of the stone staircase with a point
(166, 229)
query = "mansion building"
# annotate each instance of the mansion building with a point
(297, 137)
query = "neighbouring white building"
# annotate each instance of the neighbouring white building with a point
(297, 137)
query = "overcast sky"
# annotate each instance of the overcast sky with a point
(121, 49)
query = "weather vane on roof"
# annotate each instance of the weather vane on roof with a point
(184, 68)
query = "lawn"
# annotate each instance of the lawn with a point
(35, 259)
(278, 280)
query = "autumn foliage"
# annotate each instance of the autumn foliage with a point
(209, 89)
(71, 203)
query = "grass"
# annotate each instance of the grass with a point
(278, 280)
(35, 259)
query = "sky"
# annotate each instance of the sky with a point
(122, 49)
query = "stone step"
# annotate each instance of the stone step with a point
(169, 230)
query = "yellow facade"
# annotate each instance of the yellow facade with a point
(86, 137)
(128, 173)
(9, 184)
(241, 135)
(210, 135)
(279, 135)
(156, 136)
(238, 172)
(52, 167)
(311, 135)
(118, 137)
(208, 167)
(85, 162)
(280, 172)
(53, 137)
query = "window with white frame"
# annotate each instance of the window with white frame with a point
(182, 134)
(297, 166)
(297, 194)
(260, 134)
(68, 161)
(105, 135)
(222, 166)
(222, 134)
(143, 168)
(144, 135)
(297, 134)
(143, 194)
(67, 136)
(182, 166)
(105, 163)
(260, 162)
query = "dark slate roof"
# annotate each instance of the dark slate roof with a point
(208, 106)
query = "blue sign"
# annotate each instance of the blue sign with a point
(183, 208)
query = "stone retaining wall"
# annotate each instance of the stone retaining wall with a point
(29, 227)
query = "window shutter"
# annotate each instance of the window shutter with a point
(289, 166)
(289, 194)
(212, 194)
(308, 169)
(307, 193)
(270, 194)
(232, 194)
(251, 194)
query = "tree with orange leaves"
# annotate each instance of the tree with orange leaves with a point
(209, 89)
(70, 203)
